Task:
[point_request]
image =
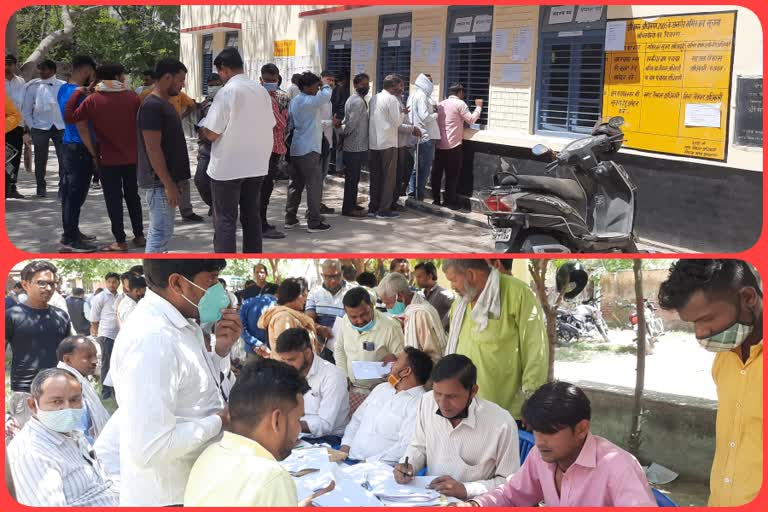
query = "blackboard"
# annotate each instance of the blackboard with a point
(749, 111)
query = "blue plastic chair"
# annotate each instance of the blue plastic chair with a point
(526, 443)
(662, 499)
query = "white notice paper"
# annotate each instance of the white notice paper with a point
(433, 52)
(462, 25)
(389, 31)
(561, 14)
(393, 42)
(339, 46)
(467, 39)
(483, 23)
(404, 30)
(522, 44)
(702, 114)
(512, 73)
(418, 45)
(359, 68)
(615, 35)
(500, 41)
(367, 370)
(336, 34)
(589, 13)
(347, 34)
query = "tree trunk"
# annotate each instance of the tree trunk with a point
(637, 410)
(12, 37)
(538, 270)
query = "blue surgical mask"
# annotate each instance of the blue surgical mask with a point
(367, 327)
(270, 86)
(399, 309)
(213, 301)
(63, 421)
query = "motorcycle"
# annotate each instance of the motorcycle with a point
(591, 316)
(589, 205)
(654, 325)
(568, 327)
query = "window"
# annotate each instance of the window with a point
(207, 64)
(468, 54)
(570, 70)
(338, 57)
(232, 39)
(394, 49)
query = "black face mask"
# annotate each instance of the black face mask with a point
(460, 416)
(363, 91)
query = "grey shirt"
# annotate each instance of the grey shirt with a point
(442, 300)
(355, 124)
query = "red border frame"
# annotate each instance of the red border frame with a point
(757, 255)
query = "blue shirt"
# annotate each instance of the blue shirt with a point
(71, 135)
(306, 119)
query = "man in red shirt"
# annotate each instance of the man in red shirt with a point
(111, 110)
(270, 75)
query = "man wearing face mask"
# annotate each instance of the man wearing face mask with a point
(354, 130)
(724, 301)
(497, 322)
(421, 323)
(202, 180)
(160, 364)
(423, 115)
(51, 462)
(470, 444)
(383, 426)
(365, 335)
(326, 404)
(137, 288)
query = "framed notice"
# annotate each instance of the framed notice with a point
(671, 82)
(749, 111)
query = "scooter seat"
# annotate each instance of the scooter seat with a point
(568, 190)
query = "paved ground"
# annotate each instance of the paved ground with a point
(34, 225)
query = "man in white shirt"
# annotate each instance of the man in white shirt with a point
(324, 302)
(382, 427)
(167, 383)
(107, 449)
(239, 124)
(42, 114)
(423, 115)
(326, 404)
(104, 325)
(134, 292)
(14, 89)
(470, 444)
(386, 116)
(51, 462)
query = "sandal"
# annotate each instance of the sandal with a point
(115, 247)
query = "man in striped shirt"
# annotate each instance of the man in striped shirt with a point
(270, 75)
(51, 462)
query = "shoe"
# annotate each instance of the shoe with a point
(86, 238)
(387, 215)
(115, 247)
(272, 234)
(398, 207)
(267, 227)
(372, 214)
(41, 193)
(437, 202)
(358, 208)
(318, 228)
(291, 223)
(192, 217)
(458, 208)
(356, 213)
(325, 210)
(79, 246)
(140, 241)
(13, 194)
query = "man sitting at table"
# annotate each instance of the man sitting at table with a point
(382, 428)
(569, 467)
(470, 442)
(326, 404)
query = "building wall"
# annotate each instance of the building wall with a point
(429, 24)
(365, 31)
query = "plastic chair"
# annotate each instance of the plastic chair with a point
(526, 443)
(662, 499)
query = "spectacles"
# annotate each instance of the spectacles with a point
(331, 276)
(45, 284)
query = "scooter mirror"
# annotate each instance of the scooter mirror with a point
(616, 122)
(540, 149)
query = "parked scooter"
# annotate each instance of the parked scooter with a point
(589, 204)
(654, 325)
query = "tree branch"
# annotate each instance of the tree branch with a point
(57, 36)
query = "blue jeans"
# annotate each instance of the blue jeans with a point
(423, 168)
(161, 217)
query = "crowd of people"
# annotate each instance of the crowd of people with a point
(131, 143)
(214, 388)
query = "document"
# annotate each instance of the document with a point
(702, 114)
(367, 370)
(500, 41)
(512, 73)
(615, 35)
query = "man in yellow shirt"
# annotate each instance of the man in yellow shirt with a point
(184, 106)
(242, 469)
(724, 301)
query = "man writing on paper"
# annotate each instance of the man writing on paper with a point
(470, 442)
(382, 428)
(326, 404)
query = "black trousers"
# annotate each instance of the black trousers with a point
(40, 141)
(228, 197)
(118, 182)
(353, 163)
(106, 354)
(267, 186)
(77, 173)
(202, 180)
(448, 162)
(15, 139)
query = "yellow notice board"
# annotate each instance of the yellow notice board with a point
(285, 48)
(672, 82)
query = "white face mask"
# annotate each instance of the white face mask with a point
(63, 420)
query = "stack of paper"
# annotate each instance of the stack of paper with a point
(368, 370)
(310, 458)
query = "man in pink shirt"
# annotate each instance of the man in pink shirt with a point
(569, 467)
(452, 113)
